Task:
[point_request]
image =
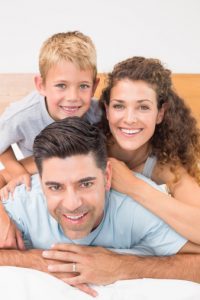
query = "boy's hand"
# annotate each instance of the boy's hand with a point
(24, 178)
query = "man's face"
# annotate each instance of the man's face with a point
(75, 191)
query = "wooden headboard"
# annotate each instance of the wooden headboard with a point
(16, 86)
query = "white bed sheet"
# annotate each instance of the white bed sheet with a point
(28, 284)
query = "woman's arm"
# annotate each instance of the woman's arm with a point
(181, 211)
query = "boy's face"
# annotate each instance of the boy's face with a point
(68, 90)
(75, 191)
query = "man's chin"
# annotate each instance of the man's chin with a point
(76, 234)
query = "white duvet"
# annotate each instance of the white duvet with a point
(28, 284)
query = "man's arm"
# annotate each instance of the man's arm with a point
(97, 265)
(33, 259)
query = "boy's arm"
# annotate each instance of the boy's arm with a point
(14, 174)
(13, 167)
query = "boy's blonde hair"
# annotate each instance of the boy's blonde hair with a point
(72, 46)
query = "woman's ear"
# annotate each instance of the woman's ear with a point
(161, 113)
(106, 110)
(39, 84)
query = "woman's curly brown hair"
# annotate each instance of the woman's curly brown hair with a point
(176, 139)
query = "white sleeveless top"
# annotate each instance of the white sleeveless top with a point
(149, 166)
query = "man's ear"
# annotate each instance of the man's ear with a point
(161, 113)
(108, 176)
(39, 84)
(95, 85)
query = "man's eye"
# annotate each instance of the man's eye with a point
(54, 187)
(86, 184)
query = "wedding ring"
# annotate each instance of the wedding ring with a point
(74, 267)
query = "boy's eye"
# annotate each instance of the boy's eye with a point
(61, 85)
(86, 184)
(84, 86)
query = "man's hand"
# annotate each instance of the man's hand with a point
(42, 264)
(24, 178)
(94, 265)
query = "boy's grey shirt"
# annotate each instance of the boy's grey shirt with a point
(24, 119)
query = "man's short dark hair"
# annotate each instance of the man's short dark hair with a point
(68, 137)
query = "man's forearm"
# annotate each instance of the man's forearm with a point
(26, 259)
(180, 266)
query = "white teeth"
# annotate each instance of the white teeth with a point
(70, 108)
(75, 217)
(130, 131)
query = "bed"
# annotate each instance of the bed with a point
(29, 284)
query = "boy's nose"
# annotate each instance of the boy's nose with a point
(71, 94)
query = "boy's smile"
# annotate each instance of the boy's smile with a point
(68, 90)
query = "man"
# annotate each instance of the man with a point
(79, 211)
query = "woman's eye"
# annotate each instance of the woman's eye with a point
(144, 107)
(118, 106)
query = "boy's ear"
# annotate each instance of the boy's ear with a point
(39, 84)
(95, 85)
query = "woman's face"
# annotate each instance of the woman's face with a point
(132, 113)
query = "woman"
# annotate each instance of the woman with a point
(150, 130)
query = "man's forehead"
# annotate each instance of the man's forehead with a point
(73, 168)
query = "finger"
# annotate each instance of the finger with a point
(61, 255)
(19, 240)
(69, 247)
(27, 182)
(87, 289)
(69, 268)
(75, 280)
(4, 193)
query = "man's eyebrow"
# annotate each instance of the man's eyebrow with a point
(52, 183)
(90, 178)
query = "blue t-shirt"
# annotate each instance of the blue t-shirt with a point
(125, 224)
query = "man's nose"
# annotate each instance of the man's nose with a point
(72, 200)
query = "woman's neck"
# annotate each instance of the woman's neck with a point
(133, 159)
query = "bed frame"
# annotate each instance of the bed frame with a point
(15, 86)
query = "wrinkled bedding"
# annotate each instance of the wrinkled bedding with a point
(28, 284)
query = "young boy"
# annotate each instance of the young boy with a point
(65, 87)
